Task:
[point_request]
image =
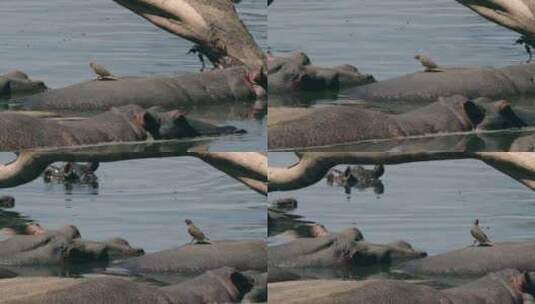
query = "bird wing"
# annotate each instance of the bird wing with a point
(102, 71)
(479, 235)
(196, 233)
(429, 63)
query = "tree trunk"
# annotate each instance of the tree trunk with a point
(517, 15)
(214, 25)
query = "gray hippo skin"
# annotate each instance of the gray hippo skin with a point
(61, 246)
(504, 287)
(193, 259)
(17, 83)
(120, 124)
(213, 87)
(493, 83)
(476, 261)
(301, 127)
(344, 249)
(296, 73)
(223, 285)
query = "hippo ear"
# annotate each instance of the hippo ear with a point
(347, 172)
(93, 166)
(473, 112)
(148, 122)
(67, 168)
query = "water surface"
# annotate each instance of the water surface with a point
(146, 201)
(430, 204)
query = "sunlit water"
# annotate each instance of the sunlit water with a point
(54, 40)
(146, 202)
(430, 204)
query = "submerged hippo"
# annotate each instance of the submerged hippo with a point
(125, 123)
(476, 261)
(344, 249)
(357, 177)
(299, 127)
(503, 287)
(224, 285)
(213, 87)
(194, 259)
(16, 83)
(493, 83)
(296, 73)
(57, 247)
(72, 172)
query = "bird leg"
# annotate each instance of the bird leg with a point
(528, 50)
(196, 49)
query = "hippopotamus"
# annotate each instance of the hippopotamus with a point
(345, 249)
(357, 177)
(120, 124)
(291, 128)
(72, 172)
(424, 87)
(57, 247)
(224, 285)
(212, 87)
(17, 83)
(295, 73)
(7, 201)
(188, 260)
(287, 203)
(504, 287)
(174, 124)
(476, 261)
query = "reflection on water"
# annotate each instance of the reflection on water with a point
(421, 202)
(54, 40)
(146, 201)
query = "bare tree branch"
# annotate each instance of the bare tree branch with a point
(313, 166)
(214, 25)
(250, 168)
(517, 15)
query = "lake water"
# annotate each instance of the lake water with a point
(430, 204)
(146, 202)
(54, 40)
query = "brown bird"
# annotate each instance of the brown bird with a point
(429, 65)
(101, 71)
(196, 233)
(479, 236)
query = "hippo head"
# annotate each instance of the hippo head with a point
(318, 230)
(87, 251)
(497, 115)
(364, 253)
(401, 250)
(82, 173)
(144, 121)
(353, 234)
(172, 124)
